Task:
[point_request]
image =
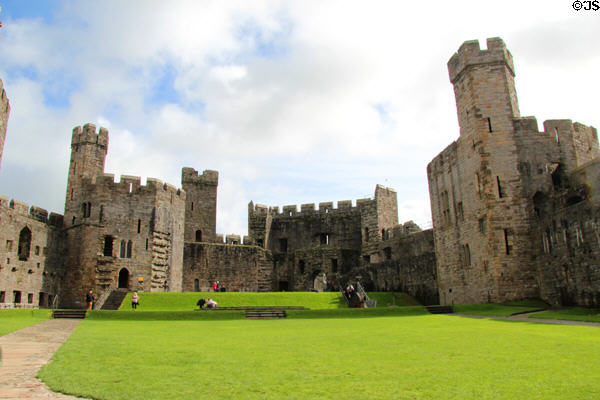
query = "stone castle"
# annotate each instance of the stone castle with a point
(515, 215)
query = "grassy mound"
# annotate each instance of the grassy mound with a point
(13, 320)
(311, 300)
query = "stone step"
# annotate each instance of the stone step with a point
(265, 314)
(80, 314)
(438, 309)
(114, 300)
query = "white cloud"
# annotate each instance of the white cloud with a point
(291, 101)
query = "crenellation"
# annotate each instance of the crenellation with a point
(470, 54)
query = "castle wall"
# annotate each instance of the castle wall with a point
(201, 204)
(4, 114)
(408, 265)
(31, 255)
(237, 267)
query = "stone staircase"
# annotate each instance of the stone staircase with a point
(265, 314)
(78, 314)
(114, 299)
(437, 309)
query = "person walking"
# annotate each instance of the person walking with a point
(135, 301)
(89, 299)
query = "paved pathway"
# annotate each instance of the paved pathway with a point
(524, 318)
(24, 352)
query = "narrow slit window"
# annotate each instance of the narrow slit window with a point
(489, 120)
(500, 193)
(139, 225)
(506, 242)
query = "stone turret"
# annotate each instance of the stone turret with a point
(201, 204)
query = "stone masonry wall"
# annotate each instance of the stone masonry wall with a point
(237, 267)
(201, 204)
(4, 114)
(31, 255)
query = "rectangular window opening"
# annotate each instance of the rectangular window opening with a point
(500, 193)
(489, 120)
(506, 242)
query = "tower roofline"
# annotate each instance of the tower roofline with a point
(470, 54)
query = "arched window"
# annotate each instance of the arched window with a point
(122, 253)
(129, 246)
(24, 244)
(198, 235)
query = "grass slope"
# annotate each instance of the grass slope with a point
(311, 300)
(417, 357)
(13, 320)
(499, 310)
(572, 314)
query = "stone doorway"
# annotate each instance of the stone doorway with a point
(124, 279)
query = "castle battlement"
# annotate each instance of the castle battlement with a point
(33, 212)
(309, 208)
(132, 184)
(190, 175)
(87, 134)
(471, 54)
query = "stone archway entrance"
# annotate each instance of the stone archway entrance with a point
(320, 281)
(124, 279)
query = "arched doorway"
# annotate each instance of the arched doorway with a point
(124, 279)
(196, 285)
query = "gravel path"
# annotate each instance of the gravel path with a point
(524, 318)
(24, 352)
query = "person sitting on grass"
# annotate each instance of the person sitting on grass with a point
(211, 303)
(201, 303)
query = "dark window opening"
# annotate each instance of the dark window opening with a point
(367, 259)
(122, 252)
(461, 213)
(283, 286)
(334, 265)
(146, 244)
(37, 250)
(366, 235)
(506, 242)
(387, 251)
(24, 244)
(196, 281)
(259, 242)
(489, 120)
(101, 214)
(198, 235)
(192, 209)
(301, 266)
(129, 248)
(30, 298)
(283, 245)
(482, 225)
(16, 296)
(108, 246)
(73, 222)
(124, 278)
(500, 193)
(324, 238)
(2, 296)
(139, 225)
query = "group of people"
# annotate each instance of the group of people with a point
(90, 299)
(216, 286)
(209, 303)
(355, 300)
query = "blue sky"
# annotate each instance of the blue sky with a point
(291, 101)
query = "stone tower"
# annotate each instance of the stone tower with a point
(4, 113)
(201, 204)
(480, 195)
(88, 153)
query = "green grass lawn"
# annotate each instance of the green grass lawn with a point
(572, 314)
(13, 320)
(412, 357)
(311, 300)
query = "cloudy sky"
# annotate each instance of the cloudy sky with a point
(291, 101)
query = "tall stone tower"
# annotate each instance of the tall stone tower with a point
(88, 153)
(201, 204)
(4, 113)
(480, 198)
